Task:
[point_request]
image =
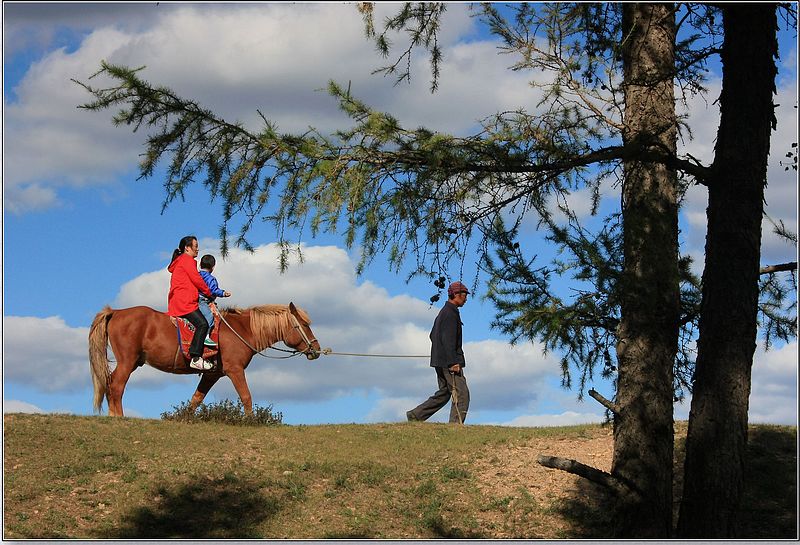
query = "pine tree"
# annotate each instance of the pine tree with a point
(717, 436)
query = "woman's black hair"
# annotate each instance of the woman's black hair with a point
(185, 241)
(207, 262)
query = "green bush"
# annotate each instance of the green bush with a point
(225, 412)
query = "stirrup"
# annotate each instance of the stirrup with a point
(201, 364)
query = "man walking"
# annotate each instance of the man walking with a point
(447, 359)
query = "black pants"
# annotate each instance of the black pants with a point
(200, 324)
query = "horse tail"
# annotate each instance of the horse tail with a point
(98, 356)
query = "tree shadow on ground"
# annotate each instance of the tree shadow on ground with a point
(442, 530)
(587, 511)
(224, 509)
(769, 500)
(349, 535)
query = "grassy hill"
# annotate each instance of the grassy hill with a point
(105, 478)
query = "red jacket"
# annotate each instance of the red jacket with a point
(184, 286)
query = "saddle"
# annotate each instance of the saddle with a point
(185, 334)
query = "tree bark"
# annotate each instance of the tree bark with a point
(717, 435)
(648, 331)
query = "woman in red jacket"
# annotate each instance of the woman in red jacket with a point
(184, 287)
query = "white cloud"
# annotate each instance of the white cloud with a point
(773, 393)
(26, 198)
(45, 353)
(16, 406)
(49, 143)
(511, 376)
(394, 409)
(148, 289)
(680, 410)
(569, 418)
(33, 25)
(270, 57)
(773, 397)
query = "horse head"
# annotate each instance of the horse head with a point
(300, 337)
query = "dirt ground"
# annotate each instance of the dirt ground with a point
(536, 497)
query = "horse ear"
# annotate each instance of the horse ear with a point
(292, 308)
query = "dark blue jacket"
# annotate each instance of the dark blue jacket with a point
(446, 338)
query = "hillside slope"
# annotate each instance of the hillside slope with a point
(105, 478)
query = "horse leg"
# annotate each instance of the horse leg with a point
(119, 378)
(240, 383)
(206, 382)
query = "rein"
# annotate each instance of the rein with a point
(292, 353)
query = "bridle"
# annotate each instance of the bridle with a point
(309, 346)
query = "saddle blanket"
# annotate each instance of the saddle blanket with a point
(186, 333)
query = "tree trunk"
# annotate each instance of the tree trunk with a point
(648, 331)
(717, 436)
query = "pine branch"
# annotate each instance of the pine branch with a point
(769, 269)
(587, 472)
(610, 405)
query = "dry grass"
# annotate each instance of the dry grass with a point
(105, 478)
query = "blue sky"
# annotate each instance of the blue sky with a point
(80, 232)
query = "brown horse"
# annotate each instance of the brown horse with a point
(140, 335)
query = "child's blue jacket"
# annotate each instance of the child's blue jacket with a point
(211, 282)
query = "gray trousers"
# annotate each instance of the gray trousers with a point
(447, 381)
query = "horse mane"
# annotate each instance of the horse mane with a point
(268, 322)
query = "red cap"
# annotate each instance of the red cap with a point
(456, 287)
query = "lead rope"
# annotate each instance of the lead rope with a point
(329, 352)
(324, 351)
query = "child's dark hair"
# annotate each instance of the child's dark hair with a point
(185, 241)
(207, 262)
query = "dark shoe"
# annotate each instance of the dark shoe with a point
(411, 418)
